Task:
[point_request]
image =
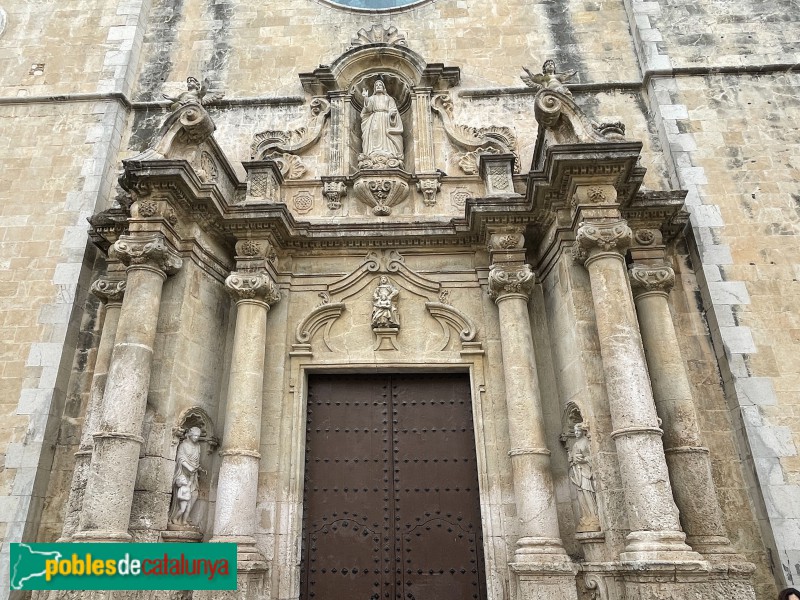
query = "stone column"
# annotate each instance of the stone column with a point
(688, 460)
(235, 519)
(112, 472)
(110, 291)
(510, 285)
(652, 515)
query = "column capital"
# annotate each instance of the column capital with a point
(651, 278)
(506, 280)
(252, 286)
(146, 251)
(593, 239)
(109, 289)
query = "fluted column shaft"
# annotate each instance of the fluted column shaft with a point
(339, 149)
(688, 460)
(510, 285)
(112, 473)
(652, 515)
(110, 291)
(237, 489)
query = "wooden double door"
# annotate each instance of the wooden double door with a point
(391, 507)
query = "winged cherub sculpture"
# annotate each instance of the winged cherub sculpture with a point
(548, 79)
(195, 93)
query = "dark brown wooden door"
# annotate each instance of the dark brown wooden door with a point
(390, 509)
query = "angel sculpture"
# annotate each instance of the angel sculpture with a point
(195, 94)
(548, 79)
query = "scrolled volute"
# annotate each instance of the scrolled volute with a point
(647, 278)
(592, 238)
(514, 280)
(252, 286)
(109, 289)
(152, 251)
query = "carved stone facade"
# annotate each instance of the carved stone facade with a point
(357, 203)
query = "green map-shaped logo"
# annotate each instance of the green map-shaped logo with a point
(28, 564)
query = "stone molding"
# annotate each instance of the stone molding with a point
(593, 239)
(645, 279)
(142, 251)
(110, 290)
(504, 281)
(252, 286)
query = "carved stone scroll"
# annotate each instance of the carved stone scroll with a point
(449, 317)
(292, 141)
(322, 317)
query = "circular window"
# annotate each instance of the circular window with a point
(372, 5)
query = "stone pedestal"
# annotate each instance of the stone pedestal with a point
(235, 519)
(111, 292)
(112, 474)
(653, 517)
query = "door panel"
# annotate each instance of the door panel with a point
(391, 508)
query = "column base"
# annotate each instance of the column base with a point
(714, 548)
(248, 557)
(97, 535)
(540, 551)
(658, 547)
(537, 581)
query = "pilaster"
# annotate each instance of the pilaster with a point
(341, 130)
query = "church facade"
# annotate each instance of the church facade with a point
(399, 311)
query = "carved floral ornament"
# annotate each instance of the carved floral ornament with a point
(646, 278)
(252, 286)
(506, 280)
(613, 237)
(152, 251)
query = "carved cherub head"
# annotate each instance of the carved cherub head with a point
(549, 67)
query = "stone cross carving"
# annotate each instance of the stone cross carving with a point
(184, 479)
(548, 79)
(381, 131)
(580, 474)
(384, 306)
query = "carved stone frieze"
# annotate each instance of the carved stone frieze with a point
(590, 238)
(109, 289)
(252, 286)
(295, 140)
(491, 139)
(509, 280)
(146, 250)
(647, 278)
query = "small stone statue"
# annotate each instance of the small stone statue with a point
(381, 131)
(548, 79)
(384, 308)
(184, 480)
(195, 94)
(580, 474)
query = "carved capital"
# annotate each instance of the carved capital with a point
(252, 286)
(592, 239)
(146, 251)
(334, 190)
(109, 289)
(646, 278)
(428, 187)
(504, 281)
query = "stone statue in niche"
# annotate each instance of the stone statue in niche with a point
(384, 306)
(580, 474)
(548, 79)
(185, 479)
(381, 131)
